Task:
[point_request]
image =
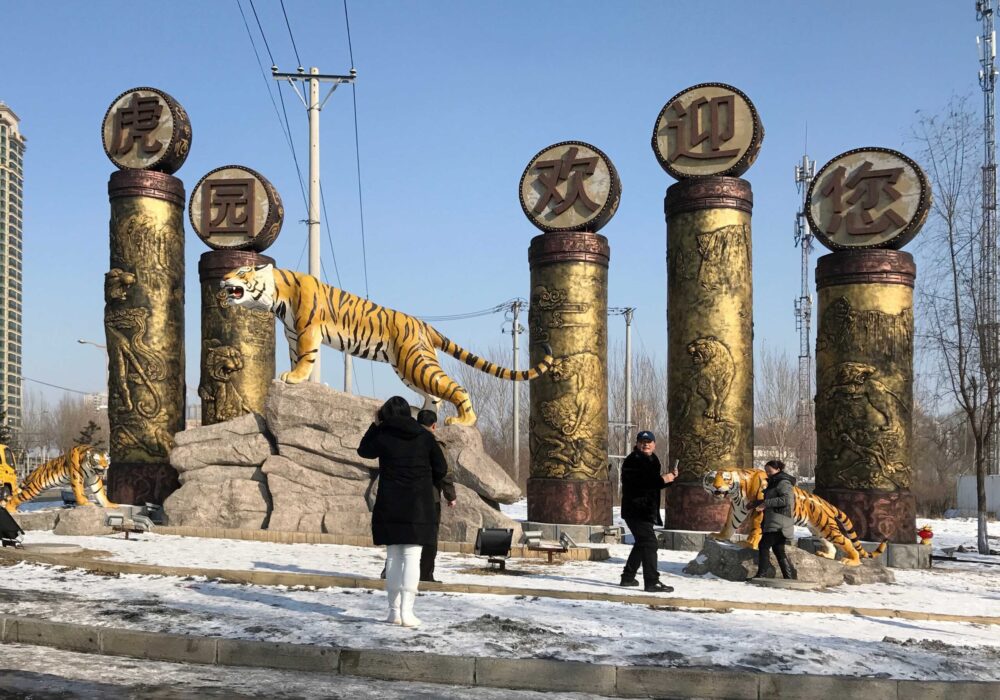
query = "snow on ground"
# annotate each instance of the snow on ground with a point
(527, 626)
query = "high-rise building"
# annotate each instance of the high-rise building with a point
(11, 221)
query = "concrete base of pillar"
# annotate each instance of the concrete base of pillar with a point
(581, 534)
(877, 515)
(691, 507)
(569, 501)
(139, 484)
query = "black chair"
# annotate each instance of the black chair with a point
(494, 544)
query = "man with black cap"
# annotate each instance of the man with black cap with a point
(641, 486)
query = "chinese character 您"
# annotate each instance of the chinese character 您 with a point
(233, 203)
(866, 186)
(691, 133)
(136, 122)
(552, 172)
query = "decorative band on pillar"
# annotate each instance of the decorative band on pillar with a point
(719, 192)
(575, 246)
(146, 183)
(864, 389)
(237, 345)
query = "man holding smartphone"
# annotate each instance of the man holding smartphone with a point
(641, 486)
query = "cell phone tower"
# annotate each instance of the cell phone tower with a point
(988, 241)
(804, 173)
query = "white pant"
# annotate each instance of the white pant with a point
(402, 578)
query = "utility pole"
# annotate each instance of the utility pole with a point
(515, 330)
(989, 319)
(627, 426)
(313, 108)
(804, 173)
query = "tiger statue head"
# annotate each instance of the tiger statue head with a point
(92, 459)
(250, 287)
(738, 485)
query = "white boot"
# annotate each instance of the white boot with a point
(410, 582)
(393, 583)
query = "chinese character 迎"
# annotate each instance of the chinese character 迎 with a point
(232, 201)
(865, 186)
(136, 122)
(690, 131)
(552, 172)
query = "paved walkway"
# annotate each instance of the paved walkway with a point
(90, 561)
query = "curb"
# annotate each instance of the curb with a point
(278, 578)
(521, 674)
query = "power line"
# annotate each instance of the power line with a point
(357, 155)
(294, 47)
(56, 386)
(474, 314)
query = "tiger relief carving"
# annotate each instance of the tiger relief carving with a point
(871, 332)
(713, 370)
(572, 441)
(725, 256)
(217, 389)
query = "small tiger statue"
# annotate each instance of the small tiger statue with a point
(314, 313)
(743, 486)
(83, 468)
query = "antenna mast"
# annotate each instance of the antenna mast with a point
(804, 173)
(988, 242)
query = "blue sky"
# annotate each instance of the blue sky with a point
(453, 100)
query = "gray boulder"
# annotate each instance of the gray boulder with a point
(38, 519)
(735, 563)
(238, 442)
(238, 503)
(472, 467)
(306, 500)
(83, 520)
(460, 524)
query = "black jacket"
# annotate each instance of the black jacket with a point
(641, 485)
(779, 505)
(411, 469)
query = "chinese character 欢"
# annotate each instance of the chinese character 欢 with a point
(866, 186)
(552, 172)
(691, 133)
(136, 122)
(232, 201)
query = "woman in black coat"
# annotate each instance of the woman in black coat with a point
(411, 469)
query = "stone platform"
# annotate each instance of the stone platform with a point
(589, 534)
(897, 556)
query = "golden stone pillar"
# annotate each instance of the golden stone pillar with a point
(236, 211)
(568, 436)
(709, 341)
(706, 136)
(864, 390)
(569, 190)
(147, 135)
(865, 204)
(237, 346)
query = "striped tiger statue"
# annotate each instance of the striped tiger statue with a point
(743, 486)
(83, 468)
(314, 313)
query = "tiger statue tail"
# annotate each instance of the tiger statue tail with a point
(847, 527)
(462, 355)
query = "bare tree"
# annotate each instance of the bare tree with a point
(955, 328)
(776, 402)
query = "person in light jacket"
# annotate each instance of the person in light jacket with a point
(778, 526)
(411, 469)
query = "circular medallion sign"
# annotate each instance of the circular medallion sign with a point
(709, 129)
(146, 129)
(570, 186)
(236, 208)
(868, 198)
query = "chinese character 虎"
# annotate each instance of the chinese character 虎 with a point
(232, 201)
(866, 186)
(552, 172)
(690, 131)
(136, 122)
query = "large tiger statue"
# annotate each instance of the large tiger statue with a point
(83, 468)
(743, 486)
(314, 313)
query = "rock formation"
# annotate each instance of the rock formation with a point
(296, 469)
